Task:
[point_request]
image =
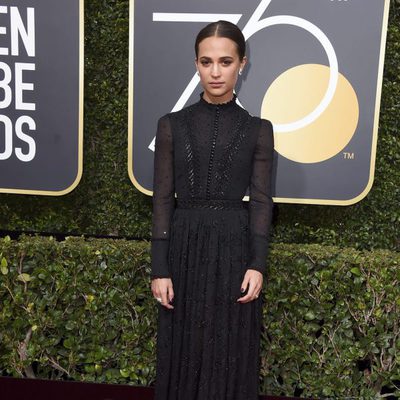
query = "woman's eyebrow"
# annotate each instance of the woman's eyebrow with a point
(221, 58)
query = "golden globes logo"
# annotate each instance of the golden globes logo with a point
(296, 102)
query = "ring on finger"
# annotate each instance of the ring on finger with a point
(159, 299)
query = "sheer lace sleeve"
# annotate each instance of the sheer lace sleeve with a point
(163, 199)
(260, 198)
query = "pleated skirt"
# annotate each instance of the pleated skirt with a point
(208, 346)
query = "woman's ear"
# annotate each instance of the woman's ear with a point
(243, 63)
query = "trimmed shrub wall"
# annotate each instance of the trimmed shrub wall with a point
(107, 203)
(83, 310)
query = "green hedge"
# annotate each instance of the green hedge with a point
(83, 310)
(106, 202)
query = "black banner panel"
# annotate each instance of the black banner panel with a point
(41, 96)
(315, 71)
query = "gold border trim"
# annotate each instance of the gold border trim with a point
(80, 123)
(354, 200)
(130, 102)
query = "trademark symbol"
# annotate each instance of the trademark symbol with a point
(348, 156)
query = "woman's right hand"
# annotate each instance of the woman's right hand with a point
(162, 287)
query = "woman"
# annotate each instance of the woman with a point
(209, 248)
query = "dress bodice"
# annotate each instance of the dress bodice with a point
(213, 146)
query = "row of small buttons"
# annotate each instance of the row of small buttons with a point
(213, 144)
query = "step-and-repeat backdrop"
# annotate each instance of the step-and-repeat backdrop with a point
(41, 96)
(315, 71)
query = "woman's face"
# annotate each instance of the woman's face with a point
(218, 64)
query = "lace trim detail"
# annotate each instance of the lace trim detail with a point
(226, 104)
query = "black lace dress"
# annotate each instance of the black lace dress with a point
(204, 240)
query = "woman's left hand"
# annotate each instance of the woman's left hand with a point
(254, 280)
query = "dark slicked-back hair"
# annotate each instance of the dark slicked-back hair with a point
(223, 29)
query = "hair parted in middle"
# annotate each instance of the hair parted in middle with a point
(223, 29)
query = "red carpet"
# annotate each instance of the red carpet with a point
(37, 389)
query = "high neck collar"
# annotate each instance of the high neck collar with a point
(213, 106)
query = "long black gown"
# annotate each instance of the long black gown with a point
(205, 240)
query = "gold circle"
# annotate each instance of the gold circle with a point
(295, 94)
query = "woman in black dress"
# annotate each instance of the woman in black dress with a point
(209, 247)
